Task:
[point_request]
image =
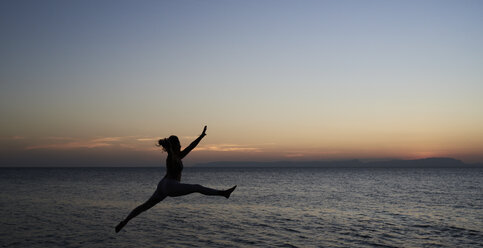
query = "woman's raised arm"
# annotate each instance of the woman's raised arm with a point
(193, 144)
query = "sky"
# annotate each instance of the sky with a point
(96, 83)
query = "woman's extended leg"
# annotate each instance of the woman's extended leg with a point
(180, 189)
(155, 199)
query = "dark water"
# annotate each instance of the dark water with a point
(272, 207)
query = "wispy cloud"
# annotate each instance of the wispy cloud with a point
(66, 143)
(228, 148)
(107, 139)
(16, 137)
(146, 139)
(135, 143)
(59, 138)
(69, 145)
(312, 153)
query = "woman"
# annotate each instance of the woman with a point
(170, 185)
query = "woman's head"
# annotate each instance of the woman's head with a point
(171, 143)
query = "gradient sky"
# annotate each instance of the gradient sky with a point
(96, 82)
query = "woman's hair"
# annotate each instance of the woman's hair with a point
(168, 143)
(164, 143)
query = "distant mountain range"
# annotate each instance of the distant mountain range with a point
(396, 163)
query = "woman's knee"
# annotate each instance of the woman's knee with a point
(184, 189)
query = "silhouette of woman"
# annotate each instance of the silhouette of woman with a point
(170, 185)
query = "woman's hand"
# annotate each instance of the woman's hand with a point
(204, 131)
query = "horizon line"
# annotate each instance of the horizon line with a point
(363, 162)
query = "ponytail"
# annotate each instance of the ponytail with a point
(164, 143)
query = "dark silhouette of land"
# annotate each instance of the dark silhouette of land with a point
(355, 163)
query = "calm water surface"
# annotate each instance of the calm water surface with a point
(272, 207)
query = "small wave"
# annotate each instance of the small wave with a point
(291, 230)
(422, 226)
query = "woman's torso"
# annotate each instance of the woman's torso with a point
(174, 166)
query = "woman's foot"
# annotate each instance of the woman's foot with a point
(120, 226)
(227, 192)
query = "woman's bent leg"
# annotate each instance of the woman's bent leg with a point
(155, 199)
(141, 208)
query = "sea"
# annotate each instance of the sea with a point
(271, 207)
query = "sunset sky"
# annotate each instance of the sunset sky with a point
(93, 83)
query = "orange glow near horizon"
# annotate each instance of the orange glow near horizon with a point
(283, 148)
